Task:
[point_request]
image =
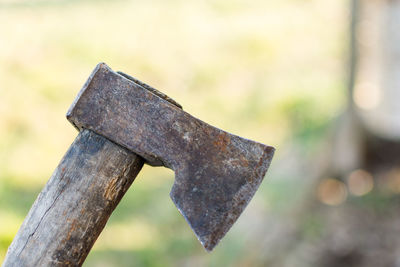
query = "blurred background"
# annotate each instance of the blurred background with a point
(317, 79)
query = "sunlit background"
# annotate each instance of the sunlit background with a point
(273, 71)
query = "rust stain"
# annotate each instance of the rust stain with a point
(243, 161)
(222, 141)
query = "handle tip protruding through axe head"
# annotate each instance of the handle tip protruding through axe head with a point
(216, 173)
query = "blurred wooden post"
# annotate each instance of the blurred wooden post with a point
(376, 90)
(73, 208)
(370, 132)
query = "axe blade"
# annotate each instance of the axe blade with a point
(212, 195)
(216, 173)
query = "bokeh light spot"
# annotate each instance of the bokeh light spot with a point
(332, 192)
(366, 95)
(393, 181)
(360, 182)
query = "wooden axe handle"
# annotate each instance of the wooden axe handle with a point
(74, 206)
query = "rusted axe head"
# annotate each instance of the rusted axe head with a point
(217, 173)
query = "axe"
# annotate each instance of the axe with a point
(124, 123)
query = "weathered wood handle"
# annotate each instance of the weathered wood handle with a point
(74, 206)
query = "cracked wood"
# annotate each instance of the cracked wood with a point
(73, 208)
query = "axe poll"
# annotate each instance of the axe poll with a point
(124, 123)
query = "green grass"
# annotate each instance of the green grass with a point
(271, 71)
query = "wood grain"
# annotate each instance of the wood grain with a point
(74, 206)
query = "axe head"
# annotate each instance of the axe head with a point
(216, 173)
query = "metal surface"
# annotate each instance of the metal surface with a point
(216, 173)
(150, 88)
